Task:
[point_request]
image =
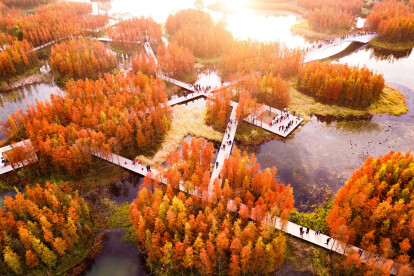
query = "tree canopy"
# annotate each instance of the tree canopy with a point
(375, 210)
(42, 228)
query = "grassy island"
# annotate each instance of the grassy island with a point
(306, 31)
(390, 102)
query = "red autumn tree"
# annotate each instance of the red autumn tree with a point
(144, 64)
(353, 6)
(41, 229)
(191, 168)
(393, 20)
(180, 235)
(340, 83)
(123, 113)
(16, 58)
(175, 61)
(252, 57)
(218, 109)
(81, 58)
(268, 89)
(26, 3)
(328, 19)
(195, 30)
(136, 30)
(374, 208)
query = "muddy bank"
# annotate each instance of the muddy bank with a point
(29, 80)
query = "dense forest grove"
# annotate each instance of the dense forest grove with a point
(209, 207)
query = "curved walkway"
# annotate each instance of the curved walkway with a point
(335, 47)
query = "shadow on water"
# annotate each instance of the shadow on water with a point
(382, 54)
(126, 190)
(118, 257)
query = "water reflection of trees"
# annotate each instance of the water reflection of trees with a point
(358, 126)
(15, 96)
(388, 55)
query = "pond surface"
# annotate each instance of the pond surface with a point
(118, 257)
(23, 98)
(126, 190)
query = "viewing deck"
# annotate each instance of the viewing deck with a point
(276, 127)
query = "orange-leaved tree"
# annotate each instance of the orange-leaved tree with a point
(181, 234)
(42, 228)
(375, 208)
(175, 61)
(218, 109)
(81, 58)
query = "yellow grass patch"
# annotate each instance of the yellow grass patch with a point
(390, 102)
(185, 121)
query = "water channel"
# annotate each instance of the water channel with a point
(318, 157)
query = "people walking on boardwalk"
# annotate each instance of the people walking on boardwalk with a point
(307, 230)
(217, 164)
(301, 230)
(360, 252)
(327, 241)
(317, 232)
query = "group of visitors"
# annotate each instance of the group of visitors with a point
(137, 162)
(228, 131)
(279, 118)
(4, 161)
(285, 115)
(319, 45)
(204, 89)
(301, 230)
(287, 127)
(317, 233)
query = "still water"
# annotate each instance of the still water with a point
(23, 98)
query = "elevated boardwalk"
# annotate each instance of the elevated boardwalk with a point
(9, 168)
(108, 39)
(337, 46)
(187, 98)
(150, 52)
(181, 84)
(226, 145)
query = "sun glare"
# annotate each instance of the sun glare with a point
(235, 4)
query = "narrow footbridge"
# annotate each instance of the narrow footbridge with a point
(225, 147)
(335, 47)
